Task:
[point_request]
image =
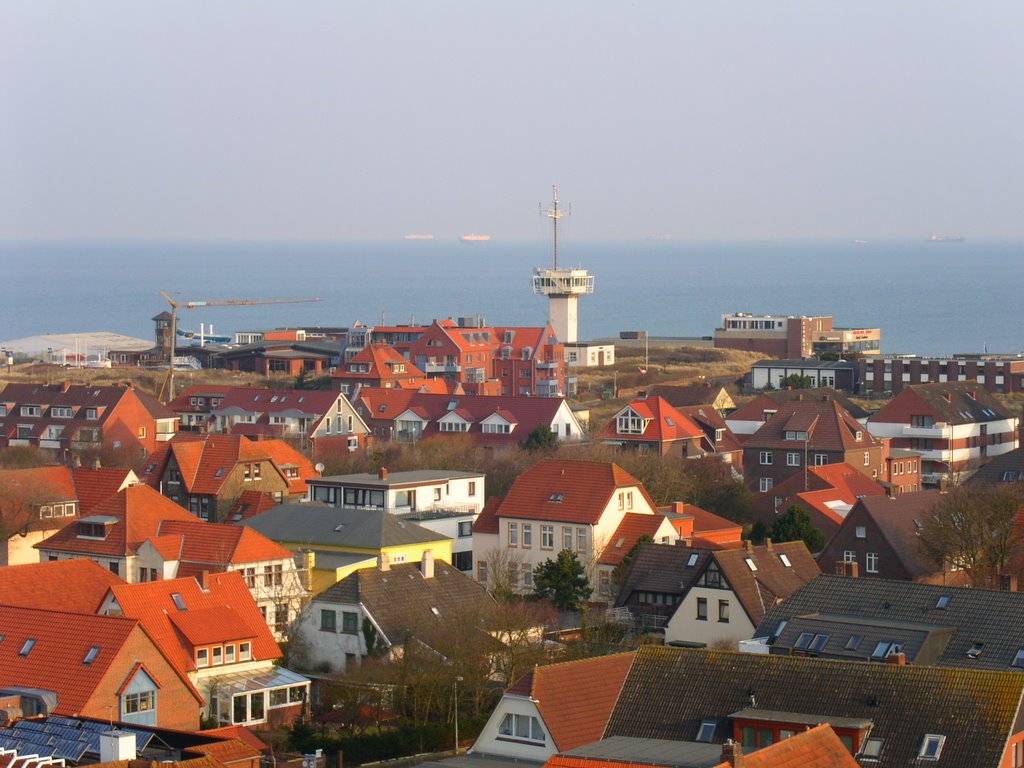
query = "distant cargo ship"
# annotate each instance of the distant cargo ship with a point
(859, 242)
(419, 237)
(945, 239)
(475, 238)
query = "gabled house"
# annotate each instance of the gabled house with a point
(827, 492)
(314, 420)
(718, 438)
(749, 418)
(75, 586)
(59, 663)
(286, 357)
(697, 527)
(887, 715)
(711, 596)
(375, 365)
(335, 541)
(803, 433)
(583, 506)
(112, 534)
(651, 424)
(443, 501)
(880, 538)
(837, 617)
(207, 474)
(554, 708)
(66, 418)
(410, 416)
(531, 361)
(715, 395)
(213, 633)
(463, 353)
(377, 611)
(1004, 468)
(956, 427)
(191, 548)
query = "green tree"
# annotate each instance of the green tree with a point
(563, 580)
(796, 381)
(542, 438)
(796, 525)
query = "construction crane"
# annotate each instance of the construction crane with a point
(167, 388)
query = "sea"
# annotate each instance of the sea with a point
(930, 298)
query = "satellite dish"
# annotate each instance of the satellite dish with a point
(319, 467)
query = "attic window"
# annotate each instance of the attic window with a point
(818, 642)
(150, 468)
(219, 472)
(556, 498)
(975, 650)
(382, 408)
(872, 749)
(91, 655)
(942, 603)
(668, 420)
(692, 561)
(854, 642)
(706, 732)
(885, 648)
(785, 560)
(750, 563)
(28, 646)
(860, 435)
(803, 641)
(931, 746)
(435, 611)
(1018, 660)
(782, 626)
(179, 601)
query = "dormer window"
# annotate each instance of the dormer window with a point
(706, 732)
(59, 412)
(872, 749)
(31, 410)
(931, 746)
(630, 422)
(91, 530)
(90, 413)
(975, 650)
(719, 435)
(797, 435)
(556, 498)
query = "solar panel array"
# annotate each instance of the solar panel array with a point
(63, 737)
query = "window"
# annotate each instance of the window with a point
(218, 655)
(139, 702)
(465, 529)
(481, 571)
(249, 575)
(566, 537)
(818, 643)
(785, 560)
(280, 617)
(244, 651)
(820, 459)
(942, 603)
(723, 611)
(860, 532)
(527, 535)
(931, 746)
(472, 488)
(547, 537)
(521, 728)
(527, 576)
(349, 622)
(142, 432)
(702, 609)
(803, 640)
(91, 655)
(871, 562)
(872, 749)
(867, 458)
(179, 601)
(328, 621)
(581, 539)
(279, 697)
(853, 643)
(750, 563)
(765, 484)
(1018, 660)
(792, 459)
(513, 534)
(706, 732)
(766, 457)
(692, 560)
(202, 657)
(272, 575)
(437, 494)
(975, 650)
(229, 653)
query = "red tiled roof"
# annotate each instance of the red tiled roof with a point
(139, 511)
(569, 491)
(379, 359)
(97, 485)
(828, 424)
(632, 527)
(54, 663)
(664, 423)
(151, 603)
(576, 698)
(203, 626)
(487, 520)
(222, 544)
(818, 747)
(238, 732)
(46, 483)
(228, 751)
(77, 585)
(251, 503)
(706, 522)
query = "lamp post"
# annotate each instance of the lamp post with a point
(458, 679)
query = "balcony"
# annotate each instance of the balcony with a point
(433, 366)
(543, 364)
(940, 430)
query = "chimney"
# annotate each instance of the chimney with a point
(204, 580)
(76, 462)
(898, 659)
(427, 565)
(748, 545)
(65, 386)
(847, 568)
(96, 463)
(732, 754)
(117, 745)
(1008, 582)
(768, 544)
(943, 484)
(382, 474)
(385, 561)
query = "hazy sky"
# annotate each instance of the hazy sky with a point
(368, 120)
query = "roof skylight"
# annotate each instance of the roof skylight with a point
(942, 603)
(179, 601)
(692, 561)
(27, 647)
(91, 655)
(750, 563)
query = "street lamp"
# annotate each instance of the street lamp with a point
(458, 679)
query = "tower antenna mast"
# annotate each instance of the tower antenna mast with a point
(554, 214)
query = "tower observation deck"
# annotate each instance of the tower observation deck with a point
(563, 287)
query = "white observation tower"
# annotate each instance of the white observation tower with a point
(563, 287)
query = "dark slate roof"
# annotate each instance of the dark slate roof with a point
(669, 691)
(899, 518)
(400, 600)
(781, 396)
(954, 402)
(808, 364)
(993, 618)
(684, 396)
(998, 469)
(323, 526)
(662, 568)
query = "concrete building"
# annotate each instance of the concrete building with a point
(793, 337)
(837, 374)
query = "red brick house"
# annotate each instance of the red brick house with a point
(61, 663)
(208, 474)
(531, 361)
(802, 433)
(375, 365)
(213, 633)
(651, 424)
(66, 418)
